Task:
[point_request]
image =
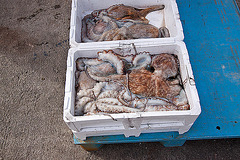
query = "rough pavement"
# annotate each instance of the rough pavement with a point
(33, 52)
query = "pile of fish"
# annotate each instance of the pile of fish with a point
(120, 22)
(112, 83)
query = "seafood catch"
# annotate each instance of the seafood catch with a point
(113, 83)
(120, 22)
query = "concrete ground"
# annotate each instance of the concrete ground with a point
(33, 52)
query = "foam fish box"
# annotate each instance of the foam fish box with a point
(132, 124)
(168, 17)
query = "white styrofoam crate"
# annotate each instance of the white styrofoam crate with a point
(169, 17)
(132, 124)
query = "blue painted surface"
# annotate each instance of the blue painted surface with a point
(212, 36)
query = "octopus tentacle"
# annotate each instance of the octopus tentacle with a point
(145, 11)
(92, 61)
(98, 78)
(98, 88)
(181, 99)
(111, 57)
(83, 101)
(102, 70)
(90, 107)
(84, 31)
(115, 108)
(84, 93)
(111, 101)
(79, 108)
(141, 60)
(152, 108)
(164, 32)
(108, 94)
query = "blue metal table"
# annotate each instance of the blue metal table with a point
(212, 36)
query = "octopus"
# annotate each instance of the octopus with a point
(95, 28)
(161, 82)
(120, 22)
(110, 64)
(84, 81)
(150, 83)
(101, 99)
(122, 12)
(143, 31)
